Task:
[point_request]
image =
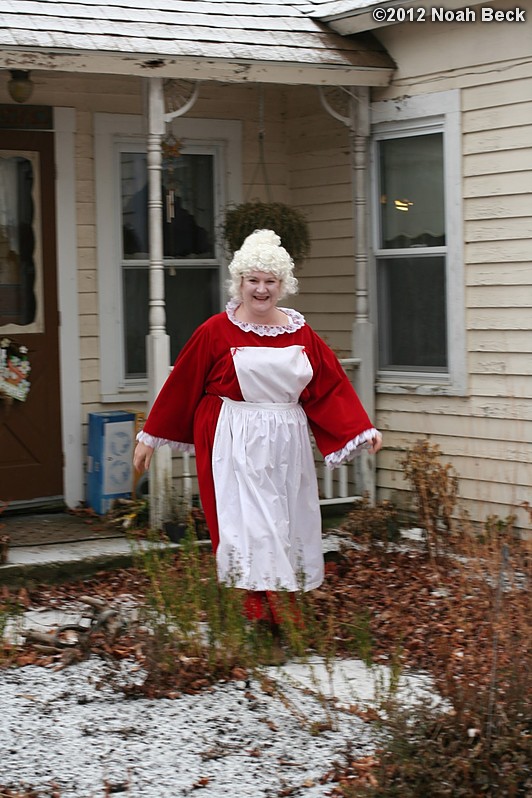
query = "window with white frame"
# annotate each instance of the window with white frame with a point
(191, 269)
(195, 186)
(417, 243)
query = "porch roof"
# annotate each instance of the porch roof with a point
(224, 40)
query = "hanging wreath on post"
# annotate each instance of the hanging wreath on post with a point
(14, 369)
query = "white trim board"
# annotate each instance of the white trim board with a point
(67, 282)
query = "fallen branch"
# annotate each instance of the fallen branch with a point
(73, 641)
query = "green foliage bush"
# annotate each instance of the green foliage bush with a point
(289, 224)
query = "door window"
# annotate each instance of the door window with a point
(20, 256)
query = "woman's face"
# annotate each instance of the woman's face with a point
(260, 292)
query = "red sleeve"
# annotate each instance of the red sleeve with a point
(172, 414)
(334, 411)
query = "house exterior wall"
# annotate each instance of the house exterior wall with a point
(215, 102)
(307, 165)
(487, 433)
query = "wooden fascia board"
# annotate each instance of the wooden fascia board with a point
(219, 70)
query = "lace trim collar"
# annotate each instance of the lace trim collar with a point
(296, 321)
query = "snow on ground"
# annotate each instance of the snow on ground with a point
(73, 729)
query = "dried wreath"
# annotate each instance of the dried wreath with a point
(171, 147)
(14, 369)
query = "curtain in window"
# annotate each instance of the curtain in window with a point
(17, 243)
(411, 193)
(412, 279)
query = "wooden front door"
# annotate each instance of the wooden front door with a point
(30, 430)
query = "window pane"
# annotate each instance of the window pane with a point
(411, 192)
(136, 320)
(18, 272)
(191, 298)
(188, 206)
(412, 313)
(188, 210)
(134, 192)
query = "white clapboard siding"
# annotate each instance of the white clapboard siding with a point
(502, 296)
(494, 341)
(519, 160)
(492, 450)
(499, 207)
(492, 274)
(487, 433)
(491, 94)
(498, 230)
(498, 184)
(498, 363)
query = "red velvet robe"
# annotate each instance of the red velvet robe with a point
(188, 405)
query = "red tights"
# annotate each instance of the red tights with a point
(266, 605)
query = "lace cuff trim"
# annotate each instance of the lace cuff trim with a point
(352, 448)
(297, 321)
(156, 443)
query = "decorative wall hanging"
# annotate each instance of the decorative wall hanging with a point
(14, 369)
(170, 152)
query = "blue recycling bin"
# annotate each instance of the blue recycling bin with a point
(110, 458)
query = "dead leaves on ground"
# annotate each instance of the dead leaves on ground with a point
(447, 617)
(426, 615)
(359, 772)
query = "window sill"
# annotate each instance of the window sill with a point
(419, 385)
(127, 394)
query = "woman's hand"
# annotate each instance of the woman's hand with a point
(142, 457)
(376, 443)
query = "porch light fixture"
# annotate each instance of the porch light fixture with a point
(20, 87)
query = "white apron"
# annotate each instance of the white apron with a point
(264, 476)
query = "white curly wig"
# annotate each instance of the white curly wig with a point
(262, 252)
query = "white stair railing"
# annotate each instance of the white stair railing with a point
(337, 486)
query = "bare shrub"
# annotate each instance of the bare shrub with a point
(377, 523)
(435, 488)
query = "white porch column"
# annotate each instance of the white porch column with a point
(157, 341)
(363, 340)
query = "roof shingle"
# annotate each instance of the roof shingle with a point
(255, 31)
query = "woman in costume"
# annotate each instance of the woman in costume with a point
(243, 393)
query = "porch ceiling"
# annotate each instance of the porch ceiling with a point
(252, 41)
